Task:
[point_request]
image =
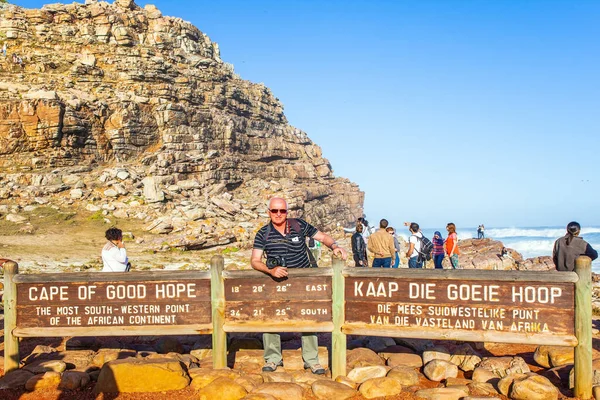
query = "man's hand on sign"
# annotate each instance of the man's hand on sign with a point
(278, 272)
(340, 252)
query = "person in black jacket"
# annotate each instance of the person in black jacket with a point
(359, 247)
(569, 247)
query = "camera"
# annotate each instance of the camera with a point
(275, 261)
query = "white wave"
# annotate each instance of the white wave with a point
(497, 233)
(531, 248)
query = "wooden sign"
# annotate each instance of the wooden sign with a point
(265, 300)
(114, 303)
(478, 306)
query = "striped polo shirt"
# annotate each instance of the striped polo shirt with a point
(292, 246)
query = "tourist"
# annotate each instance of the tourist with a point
(414, 245)
(4, 46)
(359, 247)
(114, 255)
(381, 245)
(452, 245)
(392, 232)
(366, 232)
(438, 250)
(480, 234)
(569, 247)
(283, 240)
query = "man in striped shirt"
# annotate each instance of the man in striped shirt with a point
(285, 238)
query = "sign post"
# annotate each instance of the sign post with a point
(11, 342)
(583, 328)
(219, 337)
(338, 338)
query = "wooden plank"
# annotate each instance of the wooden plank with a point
(307, 288)
(253, 326)
(197, 329)
(11, 341)
(338, 338)
(478, 336)
(112, 276)
(474, 309)
(273, 311)
(293, 272)
(463, 275)
(583, 329)
(219, 338)
(85, 304)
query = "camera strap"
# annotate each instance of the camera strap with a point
(292, 224)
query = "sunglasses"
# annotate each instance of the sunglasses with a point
(280, 211)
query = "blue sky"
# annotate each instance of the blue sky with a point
(464, 111)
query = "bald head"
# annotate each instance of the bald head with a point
(277, 203)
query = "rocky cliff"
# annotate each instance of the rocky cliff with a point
(119, 109)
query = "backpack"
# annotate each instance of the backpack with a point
(311, 243)
(425, 250)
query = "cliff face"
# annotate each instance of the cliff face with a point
(106, 88)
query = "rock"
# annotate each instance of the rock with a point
(280, 390)
(39, 367)
(277, 377)
(15, 379)
(123, 174)
(596, 392)
(92, 208)
(201, 377)
(259, 396)
(441, 394)
(406, 376)
(404, 359)
(362, 357)
(160, 226)
(107, 355)
(141, 375)
(379, 387)
(436, 353)
(505, 384)
(533, 387)
(17, 219)
(152, 191)
(348, 382)
(168, 344)
(222, 389)
(76, 194)
(465, 358)
(378, 343)
(482, 388)
(110, 193)
(361, 374)
(327, 390)
(595, 374)
(502, 366)
(46, 380)
(554, 356)
(249, 381)
(71, 380)
(484, 375)
(438, 370)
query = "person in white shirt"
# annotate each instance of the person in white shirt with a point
(414, 245)
(114, 255)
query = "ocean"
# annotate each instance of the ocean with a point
(530, 241)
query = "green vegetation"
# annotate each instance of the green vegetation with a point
(97, 216)
(230, 250)
(52, 215)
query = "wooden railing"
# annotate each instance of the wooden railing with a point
(550, 308)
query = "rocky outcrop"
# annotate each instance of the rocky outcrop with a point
(129, 106)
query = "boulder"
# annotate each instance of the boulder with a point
(280, 390)
(379, 387)
(505, 384)
(438, 370)
(436, 353)
(203, 376)
(46, 380)
(503, 366)
(362, 357)
(152, 191)
(465, 358)
(554, 356)
(441, 394)
(259, 396)
(222, 389)
(484, 375)
(406, 376)
(71, 380)
(277, 376)
(404, 359)
(482, 388)
(533, 387)
(142, 375)
(41, 366)
(361, 374)
(15, 379)
(327, 390)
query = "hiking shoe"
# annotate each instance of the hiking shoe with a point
(316, 369)
(271, 366)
